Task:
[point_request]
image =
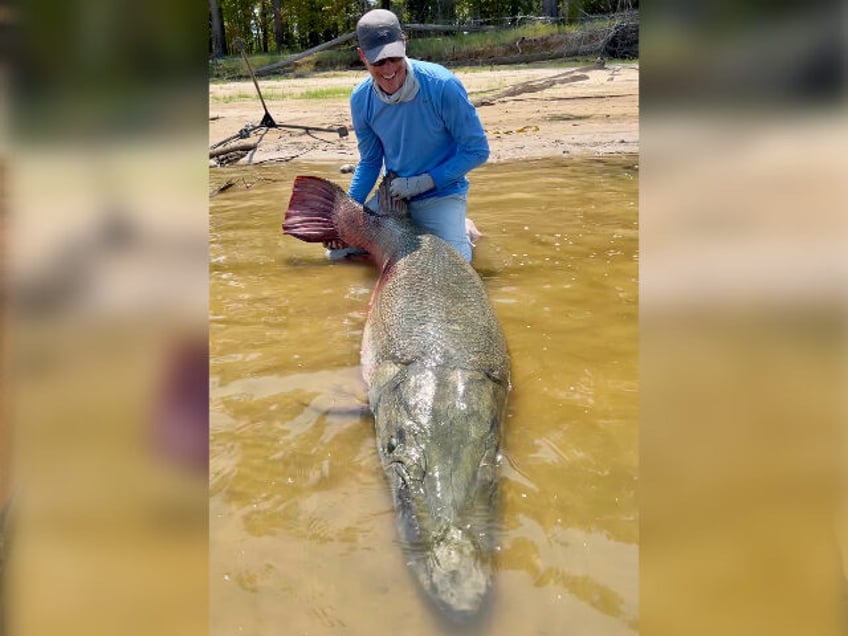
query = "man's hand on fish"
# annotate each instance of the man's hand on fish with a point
(408, 187)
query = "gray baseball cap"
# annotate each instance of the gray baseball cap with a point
(379, 35)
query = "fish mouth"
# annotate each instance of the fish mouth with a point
(437, 434)
(452, 563)
(455, 576)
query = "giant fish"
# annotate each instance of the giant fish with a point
(436, 365)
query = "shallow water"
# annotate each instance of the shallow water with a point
(302, 536)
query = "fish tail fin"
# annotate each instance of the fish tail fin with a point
(312, 210)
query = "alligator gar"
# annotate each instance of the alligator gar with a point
(436, 365)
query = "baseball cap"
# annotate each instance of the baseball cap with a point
(379, 35)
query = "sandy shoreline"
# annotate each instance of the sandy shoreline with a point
(592, 112)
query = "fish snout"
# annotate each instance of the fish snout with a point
(459, 580)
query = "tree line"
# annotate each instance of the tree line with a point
(275, 26)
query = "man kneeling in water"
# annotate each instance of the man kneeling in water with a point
(414, 117)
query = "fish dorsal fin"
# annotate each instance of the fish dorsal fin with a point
(389, 205)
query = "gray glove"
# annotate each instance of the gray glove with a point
(408, 187)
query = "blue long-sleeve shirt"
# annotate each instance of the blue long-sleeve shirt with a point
(437, 132)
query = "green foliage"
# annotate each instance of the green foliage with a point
(450, 50)
(270, 95)
(326, 93)
(490, 10)
(304, 23)
(234, 97)
(308, 23)
(470, 46)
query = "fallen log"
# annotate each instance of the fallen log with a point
(449, 28)
(245, 146)
(298, 56)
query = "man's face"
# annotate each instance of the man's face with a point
(389, 73)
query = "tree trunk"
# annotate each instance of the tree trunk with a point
(219, 44)
(264, 27)
(278, 25)
(223, 31)
(549, 8)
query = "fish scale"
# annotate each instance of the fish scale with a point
(437, 316)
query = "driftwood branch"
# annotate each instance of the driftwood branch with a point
(536, 85)
(229, 183)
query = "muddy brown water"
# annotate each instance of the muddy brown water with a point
(302, 536)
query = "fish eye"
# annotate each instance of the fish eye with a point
(391, 445)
